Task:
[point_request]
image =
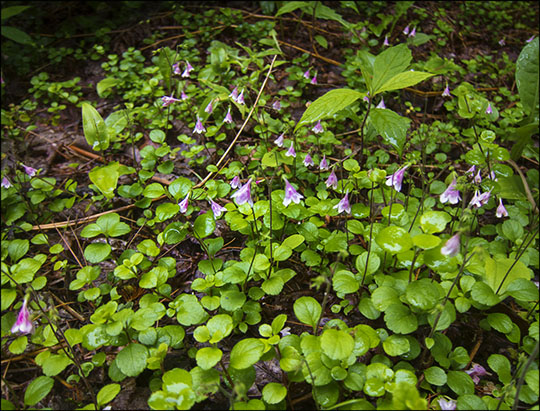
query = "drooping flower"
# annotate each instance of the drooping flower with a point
(235, 182)
(493, 176)
(167, 101)
(318, 128)
(488, 109)
(199, 128)
(30, 171)
(530, 39)
(447, 405)
(176, 68)
(451, 248)
(406, 30)
(308, 161)
(386, 43)
(5, 183)
(381, 104)
(471, 170)
(306, 74)
(217, 209)
(502, 42)
(477, 178)
(446, 92)
(413, 32)
(187, 69)
(209, 108)
(344, 205)
(291, 194)
(501, 210)
(243, 195)
(183, 95)
(484, 197)
(276, 105)
(314, 79)
(324, 164)
(476, 372)
(240, 99)
(290, 152)
(184, 204)
(451, 194)
(475, 201)
(279, 141)
(285, 331)
(228, 117)
(396, 179)
(234, 94)
(23, 323)
(332, 180)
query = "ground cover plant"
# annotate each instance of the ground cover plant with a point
(276, 205)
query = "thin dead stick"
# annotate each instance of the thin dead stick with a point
(243, 125)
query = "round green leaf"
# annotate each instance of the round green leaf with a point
(307, 310)
(501, 322)
(132, 359)
(426, 241)
(97, 252)
(394, 240)
(396, 345)
(246, 353)
(204, 225)
(422, 294)
(436, 376)
(434, 221)
(460, 382)
(274, 393)
(207, 357)
(345, 282)
(337, 344)
(232, 300)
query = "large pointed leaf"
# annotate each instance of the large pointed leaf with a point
(389, 63)
(391, 126)
(527, 77)
(329, 104)
(95, 130)
(402, 80)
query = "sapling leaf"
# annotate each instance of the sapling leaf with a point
(402, 80)
(327, 105)
(527, 78)
(391, 126)
(95, 129)
(389, 63)
(274, 393)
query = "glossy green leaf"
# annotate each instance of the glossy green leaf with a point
(106, 178)
(388, 64)
(105, 84)
(402, 80)
(38, 389)
(97, 252)
(207, 357)
(328, 104)
(527, 77)
(204, 225)
(501, 365)
(274, 393)
(496, 273)
(337, 344)
(394, 240)
(391, 127)
(396, 345)
(434, 221)
(400, 319)
(345, 282)
(108, 393)
(422, 294)
(246, 353)
(436, 376)
(426, 241)
(95, 129)
(307, 310)
(460, 382)
(132, 359)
